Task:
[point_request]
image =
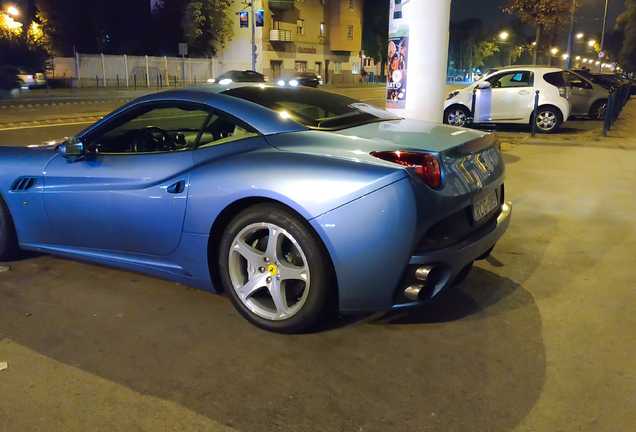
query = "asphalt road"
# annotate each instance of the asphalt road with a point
(540, 337)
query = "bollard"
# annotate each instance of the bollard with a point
(118, 82)
(71, 84)
(135, 81)
(473, 103)
(46, 79)
(97, 81)
(161, 80)
(157, 83)
(195, 80)
(608, 114)
(535, 113)
(175, 81)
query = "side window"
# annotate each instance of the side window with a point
(557, 79)
(512, 79)
(221, 128)
(151, 128)
(578, 82)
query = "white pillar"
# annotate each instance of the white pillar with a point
(418, 43)
(147, 73)
(103, 70)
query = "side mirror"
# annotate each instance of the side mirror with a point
(72, 149)
(483, 85)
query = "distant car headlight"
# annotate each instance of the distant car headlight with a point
(293, 83)
(211, 80)
(225, 81)
(281, 83)
(452, 95)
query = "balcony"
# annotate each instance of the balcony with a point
(280, 36)
(281, 5)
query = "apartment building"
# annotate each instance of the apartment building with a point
(321, 36)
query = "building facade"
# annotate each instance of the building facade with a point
(321, 36)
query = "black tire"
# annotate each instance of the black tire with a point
(597, 111)
(320, 297)
(456, 115)
(463, 274)
(9, 248)
(545, 112)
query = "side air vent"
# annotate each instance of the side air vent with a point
(24, 184)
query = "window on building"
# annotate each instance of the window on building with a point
(355, 68)
(275, 23)
(300, 27)
(350, 32)
(322, 29)
(350, 4)
(337, 67)
(300, 66)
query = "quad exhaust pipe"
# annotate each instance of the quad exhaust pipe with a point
(429, 275)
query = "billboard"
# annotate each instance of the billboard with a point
(259, 18)
(244, 19)
(397, 57)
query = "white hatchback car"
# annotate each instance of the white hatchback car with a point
(506, 95)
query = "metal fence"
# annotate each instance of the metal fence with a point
(99, 70)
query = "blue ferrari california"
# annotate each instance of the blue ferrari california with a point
(293, 201)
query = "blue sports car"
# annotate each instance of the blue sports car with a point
(293, 201)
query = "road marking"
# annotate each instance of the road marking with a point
(46, 125)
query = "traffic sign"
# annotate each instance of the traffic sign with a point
(183, 49)
(612, 68)
(601, 54)
(613, 64)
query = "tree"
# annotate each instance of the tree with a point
(167, 32)
(375, 31)
(482, 51)
(206, 26)
(542, 14)
(626, 24)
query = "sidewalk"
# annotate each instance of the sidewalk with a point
(622, 135)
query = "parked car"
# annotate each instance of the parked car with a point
(239, 76)
(27, 77)
(506, 95)
(259, 191)
(587, 99)
(304, 79)
(9, 82)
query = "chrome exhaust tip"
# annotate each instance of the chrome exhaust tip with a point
(413, 292)
(424, 273)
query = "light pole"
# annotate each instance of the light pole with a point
(504, 36)
(603, 34)
(571, 36)
(554, 51)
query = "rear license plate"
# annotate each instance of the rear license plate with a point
(485, 205)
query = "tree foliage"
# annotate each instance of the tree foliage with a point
(207, 25)
(626, 26)
(482, 51)
(375, 30)
(545, 13)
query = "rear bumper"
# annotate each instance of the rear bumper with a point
(453, 259)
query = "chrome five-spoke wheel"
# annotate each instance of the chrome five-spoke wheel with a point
(456, 117)
(269, 271)
(548, 120)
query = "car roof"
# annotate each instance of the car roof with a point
(527, 67)
(263, 119)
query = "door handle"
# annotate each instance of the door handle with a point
(524, 92)
(177, 188)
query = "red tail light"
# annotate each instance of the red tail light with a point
(563, 92)
(424, 164)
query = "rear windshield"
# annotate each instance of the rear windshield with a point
(313, 108)
(557, 79)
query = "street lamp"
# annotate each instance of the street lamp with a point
(11, 10)
(584, 60)
(554, 51)
(598, 63)
(565, 56)
(592, 43)
(504, 35)
(578, 57)
(580, 36)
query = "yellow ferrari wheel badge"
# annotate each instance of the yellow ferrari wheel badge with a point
(272, 269)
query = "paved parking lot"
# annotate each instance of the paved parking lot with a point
(539, 337)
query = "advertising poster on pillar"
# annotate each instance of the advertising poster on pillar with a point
(397, 55)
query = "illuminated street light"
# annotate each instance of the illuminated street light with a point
(592, 43)
(580, 36)
(565, 56)
(578, 57)
(584, 60)
(598, 63)
(554, 51)
(534, 44)
(13, 11)
(503, 35)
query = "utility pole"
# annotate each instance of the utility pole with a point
(571, 37)
(253, 41)
(603, 34)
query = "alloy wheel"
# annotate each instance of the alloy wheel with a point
(546, 120)
(269, 271)
(599, 111)
(457, 118)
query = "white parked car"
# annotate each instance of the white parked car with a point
(506, 95)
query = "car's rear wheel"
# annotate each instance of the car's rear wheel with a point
(9, 247)
(597, 111)
(548, 119)
(456, 115)
(275, 269)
